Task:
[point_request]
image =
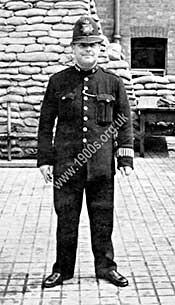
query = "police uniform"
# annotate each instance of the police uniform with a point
(93, 126)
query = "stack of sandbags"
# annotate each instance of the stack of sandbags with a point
(157, 89)
(119, 66)
(152, 85)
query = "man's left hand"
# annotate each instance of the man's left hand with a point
(125, 170)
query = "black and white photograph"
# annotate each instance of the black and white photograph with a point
(87, 152)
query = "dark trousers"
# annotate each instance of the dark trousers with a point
(68, 204)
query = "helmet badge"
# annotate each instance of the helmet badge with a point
(87, 28)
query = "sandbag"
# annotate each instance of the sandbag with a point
(11, 98)
(7, 57)
(16, 90)
(54, 48)
(48, 40)
(18, 40)
(171, 86)
(35, 19)
(71, 5)
(161, 79)
(145, 92)
(35, 47)
(144, 79)
(30, 82)
(117, 64)
(171, 78)
(125, 73)
(44, 4)
(31, 122)
(17, 5)
(29, 114)
(33, 99)
(3, 91)
(35, 90)
(17, 20)
(6, 13)
(33, 27)
(29, 70)
(53, 19)
(4, 83)
(164, 92)
(37, 56)
(60, 34)
(151, 86)
(53, 69)
(8, 71)
(31, 12)
(138, 86)
(15, 48)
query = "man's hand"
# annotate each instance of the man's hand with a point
(125, 171)
(47, 172)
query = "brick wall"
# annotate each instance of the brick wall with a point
(138, 18)
(106, 14)
(155, 18)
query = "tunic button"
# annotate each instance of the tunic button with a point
(84, 140)
(85, 98)
(85, 129)
(86, 79)
(85, 118)
(85, 107)
(85, 88)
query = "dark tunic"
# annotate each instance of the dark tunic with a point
(94, 100)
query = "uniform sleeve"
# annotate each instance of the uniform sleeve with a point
(123, 144)
(46, 124)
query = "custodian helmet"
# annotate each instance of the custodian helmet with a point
(86, 31)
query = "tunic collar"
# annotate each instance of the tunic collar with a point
(87, 72)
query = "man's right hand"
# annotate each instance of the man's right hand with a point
(47, 172)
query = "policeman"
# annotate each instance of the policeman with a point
(93, 126)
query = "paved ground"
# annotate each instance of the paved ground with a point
(144, 240)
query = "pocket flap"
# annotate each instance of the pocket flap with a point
(105, 97)
(66, 96)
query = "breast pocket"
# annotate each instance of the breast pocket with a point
(104, 109)
(66, 106)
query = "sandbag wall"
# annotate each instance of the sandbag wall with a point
(119, 66)
(152, 85)
(34, 43)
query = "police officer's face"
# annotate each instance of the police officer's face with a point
(86, 54)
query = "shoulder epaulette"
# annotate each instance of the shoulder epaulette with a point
(110, 72)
